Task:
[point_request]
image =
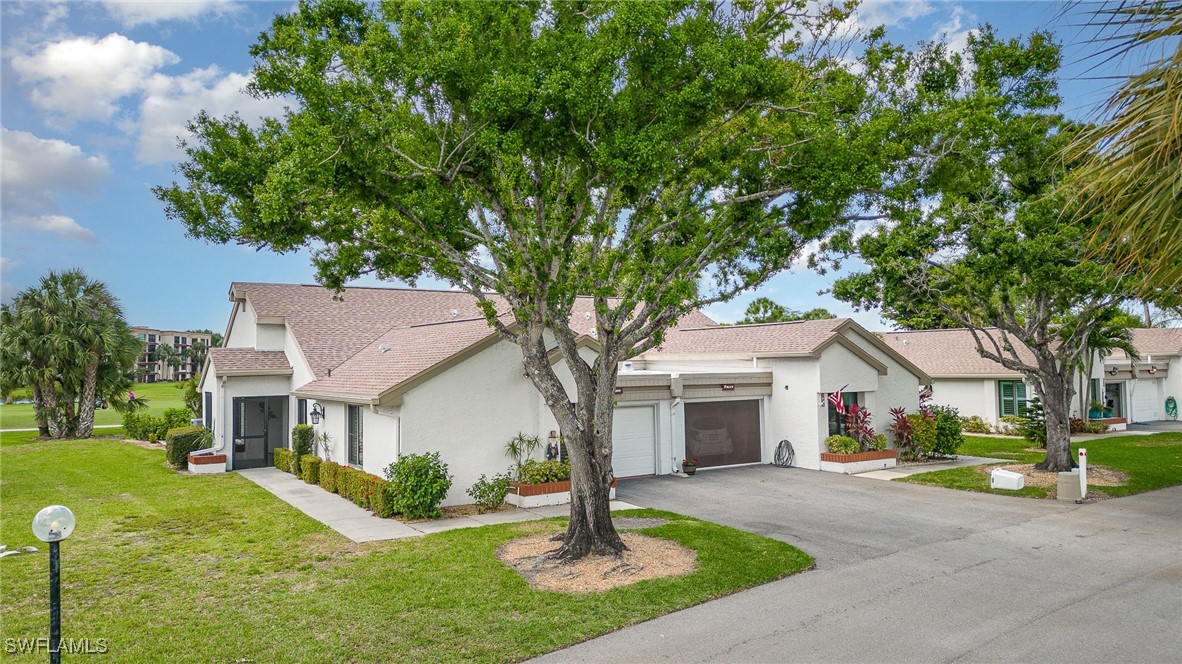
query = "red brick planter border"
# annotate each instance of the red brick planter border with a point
(203, 459)
(522, 489)
(860, 456)
(1112, 420)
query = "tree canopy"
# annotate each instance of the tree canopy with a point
(766, 310)
(656, 157)
(998, 247)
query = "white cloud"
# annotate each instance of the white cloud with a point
(83, 78)
(146, 12)
(57, 224)
(953, 31)
(171, 101)
(36, 172)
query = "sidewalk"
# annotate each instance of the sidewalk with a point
(361, 525)
(904, 471)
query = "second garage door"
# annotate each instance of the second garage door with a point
(634, 443)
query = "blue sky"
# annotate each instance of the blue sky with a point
(94, 94)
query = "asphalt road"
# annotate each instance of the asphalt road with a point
(915, 573)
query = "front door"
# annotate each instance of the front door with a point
(1114, 399)
(260, 427)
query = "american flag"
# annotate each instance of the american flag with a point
(836, 400)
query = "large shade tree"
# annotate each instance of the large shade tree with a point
(67, 340)
(997, 247)
(656, 157)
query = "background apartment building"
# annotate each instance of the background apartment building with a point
(170, 354)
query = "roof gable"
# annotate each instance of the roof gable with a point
(947, 353)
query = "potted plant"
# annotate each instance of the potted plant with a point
(689, 466)
(1095, 410)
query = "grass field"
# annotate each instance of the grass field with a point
(161, 396)
(171, 567)
(1151, 462)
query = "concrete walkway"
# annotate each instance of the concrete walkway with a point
(915, 469)
(361, 525)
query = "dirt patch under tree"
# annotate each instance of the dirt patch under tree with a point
(647, 557)
(1097, 476)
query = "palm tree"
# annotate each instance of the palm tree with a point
(1110, 335)
(164, 356)
(67, 339)
(1131, 165)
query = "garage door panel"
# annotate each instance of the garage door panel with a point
(1144, 398)
(634, 443)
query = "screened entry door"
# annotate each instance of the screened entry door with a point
(723, 433)
(259, 429)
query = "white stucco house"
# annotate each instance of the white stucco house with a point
(392, 371)
(1132, 391)
(1139, 389)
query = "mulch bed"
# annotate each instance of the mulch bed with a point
(647, 557)
(1097, 476)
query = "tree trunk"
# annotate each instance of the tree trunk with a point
(1057, 407)
(86, 402)
(590, 530)
(39, 411)
(54, 416)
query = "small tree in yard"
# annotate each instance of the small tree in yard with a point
(657, 157)
(998, 248)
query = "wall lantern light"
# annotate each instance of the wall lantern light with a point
(1152, 370)
(53, 525)
(317, 413)
(1112, 371)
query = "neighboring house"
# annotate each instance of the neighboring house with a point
(388, 371)
(1139, 390)
(972, 384)
(152, 369)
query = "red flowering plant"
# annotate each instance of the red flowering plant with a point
(857, 426)
(690, 462)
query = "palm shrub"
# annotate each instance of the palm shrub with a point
(328, 476)
(418, 484)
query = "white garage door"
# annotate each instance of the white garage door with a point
(634, 443)
(1145, 401)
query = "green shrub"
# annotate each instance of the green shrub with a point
(183, 440)
(948, 435)
(1095, 427)
(488, 494)
(379, 496)
(923, 433)
(974, 424)
(302, 436)
(328, 476)
(543, 472)
(1010, 425)
(418, 483)
(842, 445)
(173, 418)
(880, 442)
(310, 468)
(1033, 423)
(282, 459)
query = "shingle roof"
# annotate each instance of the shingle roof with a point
(794, 337)
(242, 360)
(948, 352)
(399, 355)
(332, 329)
(1155, 341)
(342, 336)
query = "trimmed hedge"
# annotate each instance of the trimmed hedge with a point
(282, 459)
(543, 472)
(310, 468)
(301, 444)
(328, 475)
(183, 440)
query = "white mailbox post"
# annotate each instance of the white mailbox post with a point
(1083, 473)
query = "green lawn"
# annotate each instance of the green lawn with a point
(1151, 462)
(213, 568)
(161, 396)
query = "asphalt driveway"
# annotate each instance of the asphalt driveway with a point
(915, 573)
